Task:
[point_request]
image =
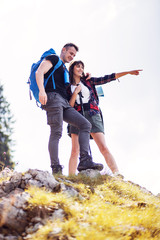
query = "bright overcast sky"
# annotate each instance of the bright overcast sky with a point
(113, 36)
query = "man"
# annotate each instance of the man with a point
(54, 101)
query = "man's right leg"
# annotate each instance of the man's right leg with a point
(55, 120)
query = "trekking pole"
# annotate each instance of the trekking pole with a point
(81, 102)
(80, 97)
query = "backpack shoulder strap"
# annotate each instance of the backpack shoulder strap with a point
(58, 64)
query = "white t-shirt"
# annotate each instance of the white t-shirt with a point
(85, 93)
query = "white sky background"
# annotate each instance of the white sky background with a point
(113, 36)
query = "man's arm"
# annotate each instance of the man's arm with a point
(134, 72)
(43, 68)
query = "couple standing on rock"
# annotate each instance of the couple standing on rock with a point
(63, 103)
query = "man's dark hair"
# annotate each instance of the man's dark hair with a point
(71, 45)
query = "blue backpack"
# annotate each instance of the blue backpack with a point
(32, 78)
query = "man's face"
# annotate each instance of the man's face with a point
(68, 54)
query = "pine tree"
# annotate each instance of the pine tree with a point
(6, 121)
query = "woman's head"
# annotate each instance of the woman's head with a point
(76, 69)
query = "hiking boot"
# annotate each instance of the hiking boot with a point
(89, 164)
(56, 169)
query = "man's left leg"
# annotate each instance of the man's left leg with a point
(74, 118)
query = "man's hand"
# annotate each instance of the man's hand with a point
(43, 98)
(88, 76)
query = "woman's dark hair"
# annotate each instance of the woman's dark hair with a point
(75, 63)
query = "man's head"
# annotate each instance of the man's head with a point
(68, 52)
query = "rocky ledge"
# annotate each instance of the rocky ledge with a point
(37, 205)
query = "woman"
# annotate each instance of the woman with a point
(84, 98)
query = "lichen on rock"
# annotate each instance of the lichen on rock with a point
(36, 205)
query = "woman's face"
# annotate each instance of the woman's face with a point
(78, 70)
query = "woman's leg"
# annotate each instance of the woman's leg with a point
(73, 161)
(101, 143)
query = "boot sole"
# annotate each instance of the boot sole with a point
(99, 168)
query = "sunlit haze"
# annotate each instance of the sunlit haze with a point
(112, 36)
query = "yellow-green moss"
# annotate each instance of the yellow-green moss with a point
(111, 210)
(42, 197)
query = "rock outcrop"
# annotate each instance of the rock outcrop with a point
(37, 205)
